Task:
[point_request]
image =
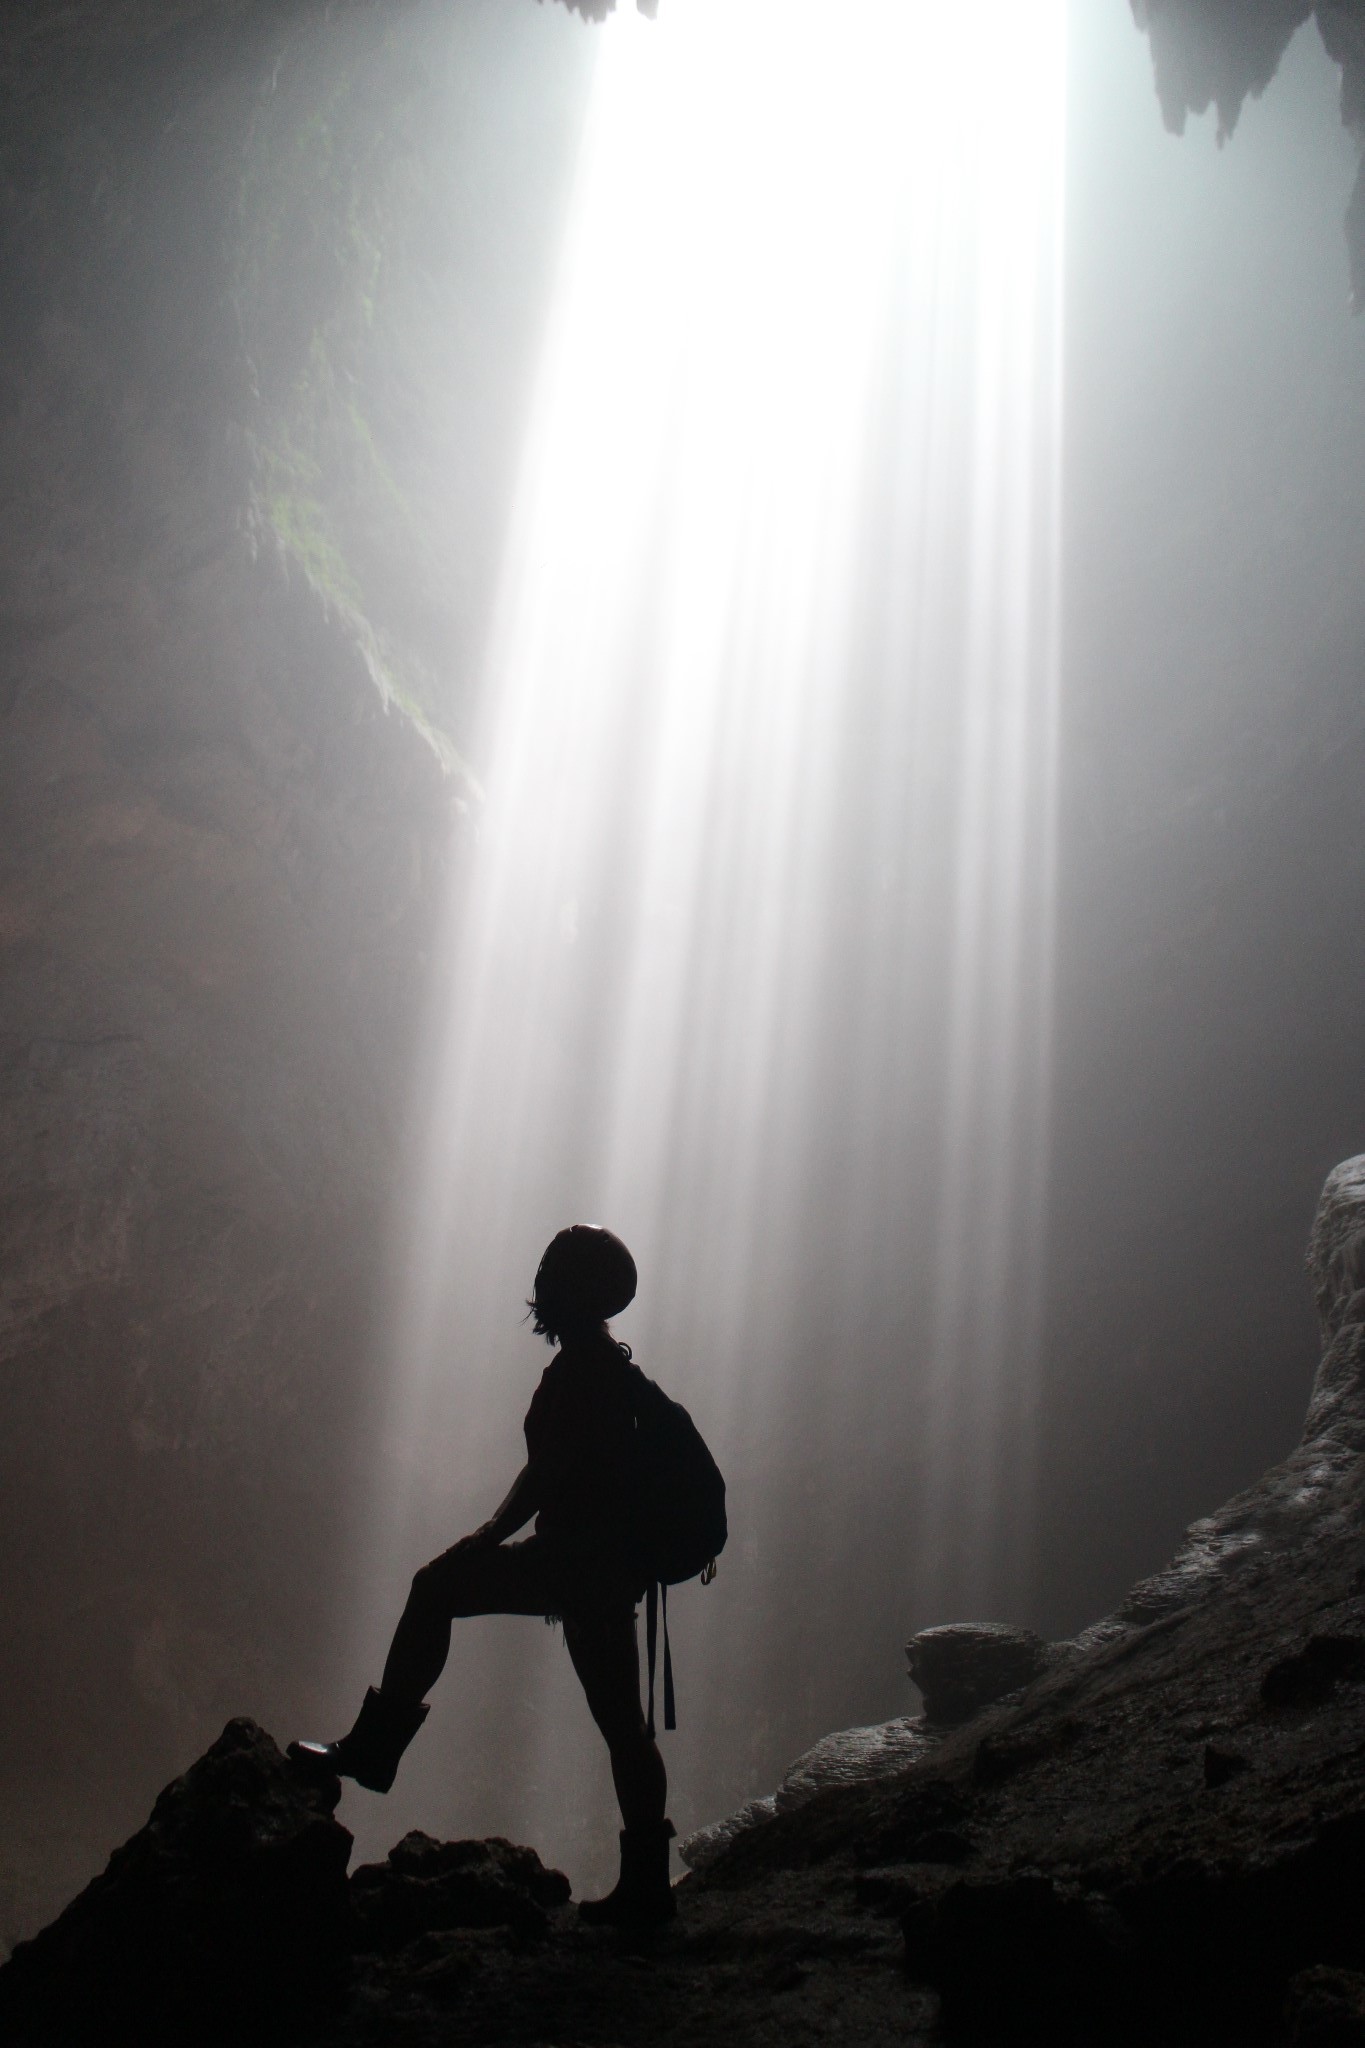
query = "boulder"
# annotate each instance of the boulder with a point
(430, 1887)
(965, 1666)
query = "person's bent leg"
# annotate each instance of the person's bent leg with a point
(421, 1642)
(460, 1582)
(501, 1579)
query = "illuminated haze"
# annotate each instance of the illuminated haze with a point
(752, 955)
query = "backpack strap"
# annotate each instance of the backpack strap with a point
(670, 1710)
(652, 1603)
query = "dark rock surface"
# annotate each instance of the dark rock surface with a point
(227, 1914)
(425, 1886)
(1161, 1837)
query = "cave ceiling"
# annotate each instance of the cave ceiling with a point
(1220, 53)
(1205, 53)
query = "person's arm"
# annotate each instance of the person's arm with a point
(515, 1512)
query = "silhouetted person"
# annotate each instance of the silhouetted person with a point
(577, 1566)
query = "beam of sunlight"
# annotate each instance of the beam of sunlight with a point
(750, 957)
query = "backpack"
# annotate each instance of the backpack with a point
(677, 1513)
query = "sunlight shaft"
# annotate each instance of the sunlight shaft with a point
(752, 957)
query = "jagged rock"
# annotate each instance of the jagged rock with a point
(964, 1666)
(230, 1916)
(427, 1887)
(227, 1913)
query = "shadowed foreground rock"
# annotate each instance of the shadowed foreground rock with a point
(1160, 1837)
(230, 1916)
(228, 1913)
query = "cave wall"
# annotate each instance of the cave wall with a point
(223, 844)
(1209, 1043)
(253, 465)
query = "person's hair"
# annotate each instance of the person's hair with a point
(554, 1325)
(586, 1276)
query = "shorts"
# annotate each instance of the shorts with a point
(533, 1576)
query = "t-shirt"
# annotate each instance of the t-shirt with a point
(580, 1431)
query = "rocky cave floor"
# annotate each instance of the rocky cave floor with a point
(1159, 1837)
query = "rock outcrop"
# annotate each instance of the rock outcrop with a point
(1208, 53)
(230, 1917)
(1160, 1835)
(964, 1666)
(959, 1668)
(227, 838)
(228, 1914)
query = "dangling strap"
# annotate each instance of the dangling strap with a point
(651, 1637)
(656, 1587)
(670, 1715)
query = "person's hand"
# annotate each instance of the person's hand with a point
(485, 1537)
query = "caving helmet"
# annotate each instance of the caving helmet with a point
(585, 1276)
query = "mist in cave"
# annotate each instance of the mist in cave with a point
(750, 955)
(860, 527)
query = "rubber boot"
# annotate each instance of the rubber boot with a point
(643, 1896)
(370, 1753)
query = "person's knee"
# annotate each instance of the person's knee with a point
(622, 1726)
(452, 1585)
(426, 1594)
(636, 1760)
